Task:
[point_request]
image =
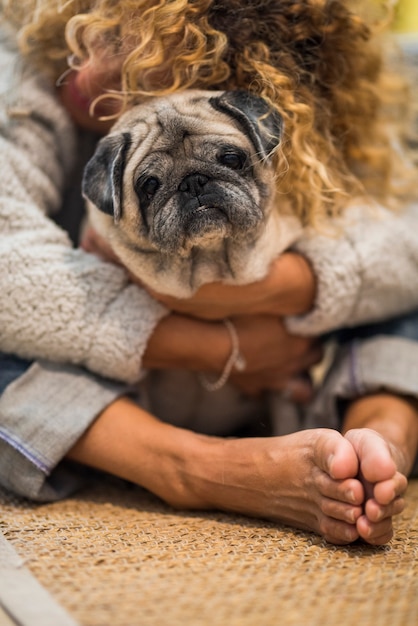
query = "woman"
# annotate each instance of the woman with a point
(76, 334)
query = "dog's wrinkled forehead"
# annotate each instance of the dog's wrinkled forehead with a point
(188, 115)
(164, 123)
(186, 133)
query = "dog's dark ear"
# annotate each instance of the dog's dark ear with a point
(103, 174)
(262, 124)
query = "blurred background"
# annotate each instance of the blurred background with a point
(406, 17)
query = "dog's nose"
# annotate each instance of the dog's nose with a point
(193, 183)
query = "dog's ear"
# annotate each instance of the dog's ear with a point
(103, 174)
(262, 124)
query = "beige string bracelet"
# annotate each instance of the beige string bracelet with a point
(235, 360)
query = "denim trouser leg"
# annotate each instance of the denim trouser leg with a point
(11, 368)
(405, 326)
(44, 409)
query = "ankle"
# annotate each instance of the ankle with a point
(186, 460)
(212, 473)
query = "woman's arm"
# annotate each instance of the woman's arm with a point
(288, 289)
(271, 354)
(51, 406)
(58, 303)
(367, 272)
(363, 271)
(69, 306)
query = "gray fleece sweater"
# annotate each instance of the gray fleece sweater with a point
(86, 324)
(59, 303)
(65, 305)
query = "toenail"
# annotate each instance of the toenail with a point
(351, 534)
(351, 496)
(367, 533)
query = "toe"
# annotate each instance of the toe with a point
(340, 510)
(375, 534)
(375, 512)
(337, 532)
(349, 491)
(387, 490)
(336, 456)
(376, 460)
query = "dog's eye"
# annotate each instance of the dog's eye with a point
(150, 185)
(233, 160)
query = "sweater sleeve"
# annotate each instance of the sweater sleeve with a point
(58, 303)
(366, 271)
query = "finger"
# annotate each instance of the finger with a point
(249, 385)
(298, 390)
(92, 242)
(295, 390)
(299, 369)
(312, 356)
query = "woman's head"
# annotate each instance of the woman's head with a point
(314, 60)
(153, 38)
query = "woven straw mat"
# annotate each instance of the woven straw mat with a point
(114, 555)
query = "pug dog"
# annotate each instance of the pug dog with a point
(183, 189)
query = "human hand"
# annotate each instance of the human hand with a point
(288, 289)
(275, 359)
(92, 242)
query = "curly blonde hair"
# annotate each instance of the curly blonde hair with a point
(316, 61)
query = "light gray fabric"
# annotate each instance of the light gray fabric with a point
(58, 303)
(65, 305)
(362, 367)
(367, 274)
(42, 414)
(22, 596)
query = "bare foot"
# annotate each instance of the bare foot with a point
(306, 479)
(383, 430)
(384, 485)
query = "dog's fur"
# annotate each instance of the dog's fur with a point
(183, 190)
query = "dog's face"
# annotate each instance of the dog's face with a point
(183, 190)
